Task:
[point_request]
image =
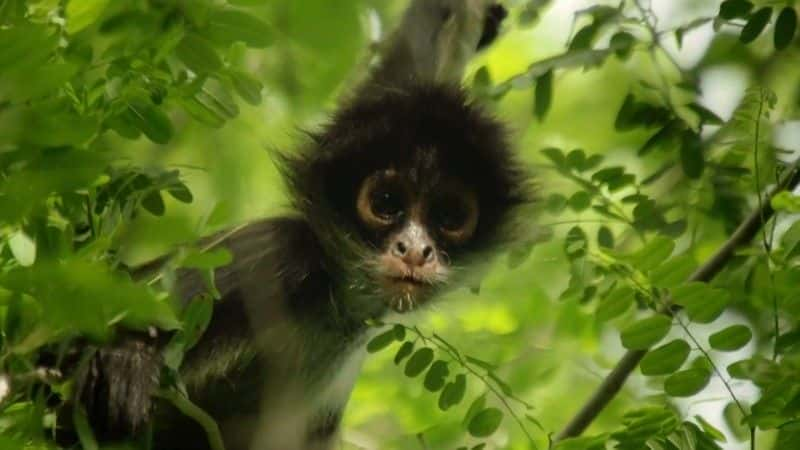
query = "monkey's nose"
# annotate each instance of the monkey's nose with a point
(413, 255)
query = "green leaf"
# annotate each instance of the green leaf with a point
(733, 9)
(652, 255)
(556, 156)
(731, 338)
(418, 362)
(755, 25)
(673, 272)
(543, 94)
(580, 201)
(692, 161)
(622, 44)
(706, 115)
(230, 25)
(703, 303)
(209, 259)
(453, 393)
(710, 430)
(403, 352)
(485, 422)
(180, 192)
(82, 13)
(153, 203)
(150, 120)
(665, 359)
(23, 247)
(644, 333)
(687, 382)
(381, 341)
(785, 27)
(584, 37)
(735, 420)
(555, 203)
(247, 87)
(475, 407)
(436, 376)
(785, 201)
(575, 244)
(615, 303)
(614, 177)
(198, 55)
(485, 365)
(399, 332)
(605, 238)
(196, 317)
(662, 138)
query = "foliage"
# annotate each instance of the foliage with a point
(107, 107)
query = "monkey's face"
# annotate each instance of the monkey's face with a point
(415, 227)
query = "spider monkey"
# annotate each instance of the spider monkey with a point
(398, 198)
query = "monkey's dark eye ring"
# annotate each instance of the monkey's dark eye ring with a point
(381, 200)
(456, 216)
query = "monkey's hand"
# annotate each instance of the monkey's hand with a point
(116, 385)
(442, 35)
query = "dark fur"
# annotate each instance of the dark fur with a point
(296, 296)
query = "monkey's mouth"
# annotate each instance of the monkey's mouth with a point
(409, 282)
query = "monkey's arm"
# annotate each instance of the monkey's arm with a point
(436, 39)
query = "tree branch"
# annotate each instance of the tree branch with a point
(612, 384)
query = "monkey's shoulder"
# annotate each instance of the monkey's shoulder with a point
(274, 256)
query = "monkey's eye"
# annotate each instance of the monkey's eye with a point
(387, 202)
(451, 215)
(455, 215)
(382, 200)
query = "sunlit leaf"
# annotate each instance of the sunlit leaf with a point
(731, 338)
(209, 259)
(485, 422)
(665, 359)
(23, 247)
(247, 87)
(786, 201)
(687, 382)
(703, 303)
(82, 13)
(615, 303)
(710, 429)
(229, 25)
(645, 333)
(150, 120)
(197, 54)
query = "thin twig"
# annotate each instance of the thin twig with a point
(612, 384)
